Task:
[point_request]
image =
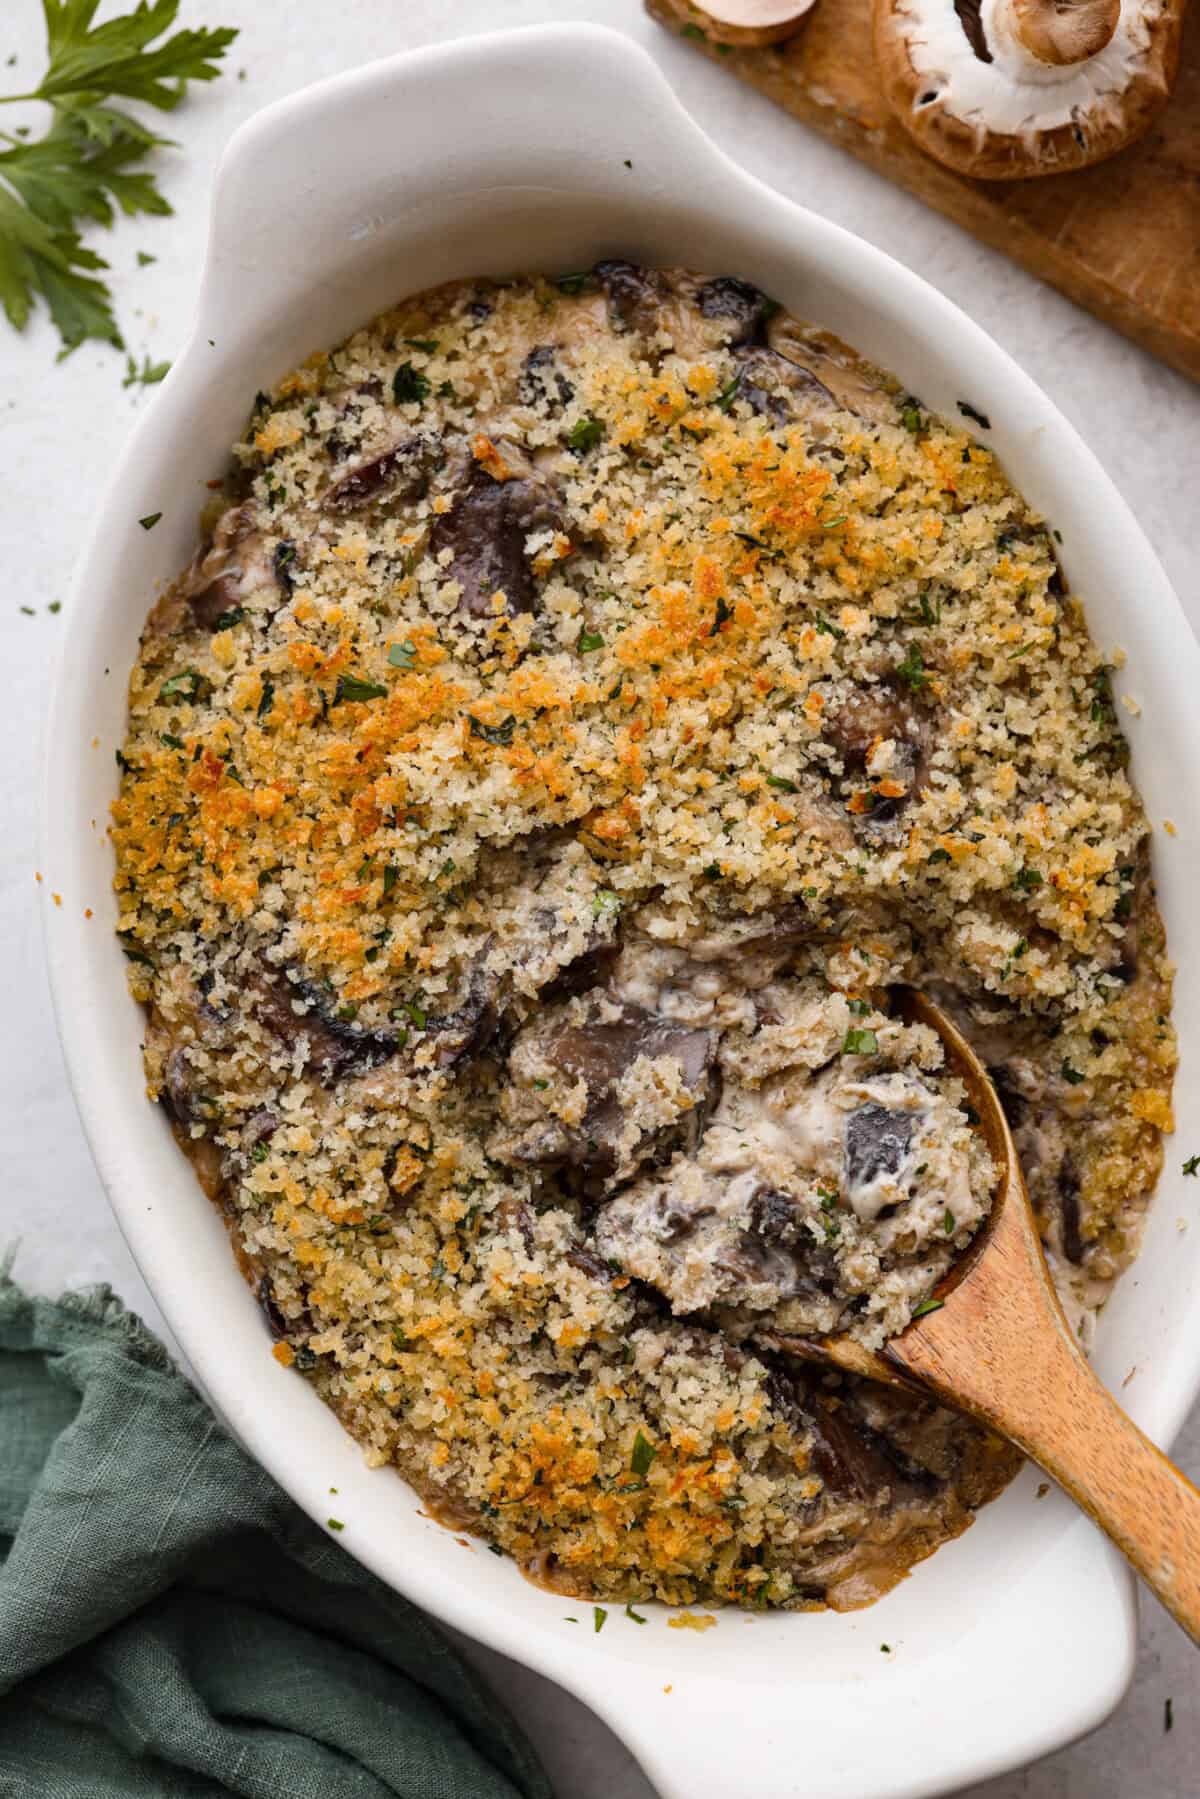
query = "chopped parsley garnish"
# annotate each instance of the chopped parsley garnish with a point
(948, 1222)
(427, 345)
(268, 699)
(912, 669)
(636, 1617)
(826, 627)
(783, 784)
(605, 902)
(225, 621)
(723, 614)
(335, 1524)
(693, 31)
(724, 401)
(585, 434)
(644, 1453)
(497, 734)
(390, 877)
(1192, 1165)
(189, 686)
(859, 1007)
(910, 413)
(598, 1616)
(408, 384)
(972, 412)
(1027, 879)
(711, 871)
(353, 687)
(576, 283)
(589, 641)
(860, 1042)
(419, 1016)
(402, 655)
(151, 519)
(148, 375)
(1072, 1076)
(939, 855)
(928, 1305)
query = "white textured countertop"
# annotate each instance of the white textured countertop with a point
(62, 424)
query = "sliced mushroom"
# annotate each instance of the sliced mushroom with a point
(1005, 89)
(778, 389)
(485, 530)
(399, 473)
(331, 1048)
(235, 564)
(706, 1239)
(461, 1035)
(1070, 1232)
(608, 1133)
(746, 24)
(742, 309)
(635, 295)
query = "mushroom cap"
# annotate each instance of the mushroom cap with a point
(982, 87)
(744, 23)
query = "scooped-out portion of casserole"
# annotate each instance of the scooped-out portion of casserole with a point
(589, 699)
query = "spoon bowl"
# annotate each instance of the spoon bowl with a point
(994, 1342)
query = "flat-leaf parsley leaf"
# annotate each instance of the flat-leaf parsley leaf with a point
(85, 165)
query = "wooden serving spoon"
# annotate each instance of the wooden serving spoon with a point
(999, 1348)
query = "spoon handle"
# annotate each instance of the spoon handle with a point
(1002, 1351)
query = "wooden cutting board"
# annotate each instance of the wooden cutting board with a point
(1122, 238)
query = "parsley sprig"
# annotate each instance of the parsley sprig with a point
(87, 163)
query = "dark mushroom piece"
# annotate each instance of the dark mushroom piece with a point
(399, 473)
(635, 295)
(775, 388)
(222, 574)
(1070, 1234)
(541, 382)
(485, 531)
(877, 1142)
(743, 310)
(461, 1035)
(333, 1047)
(852, 1457)
(607, 1147)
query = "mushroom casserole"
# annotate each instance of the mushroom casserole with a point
(589, 698)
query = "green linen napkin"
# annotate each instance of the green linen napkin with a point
(172, 1627)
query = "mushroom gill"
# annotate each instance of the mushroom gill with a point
(1007, 89)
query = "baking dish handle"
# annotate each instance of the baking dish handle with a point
(308, 188)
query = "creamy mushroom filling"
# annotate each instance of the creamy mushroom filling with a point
(589, 699)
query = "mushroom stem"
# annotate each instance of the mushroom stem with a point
(1061, 32)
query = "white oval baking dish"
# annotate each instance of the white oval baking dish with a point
(548, 148)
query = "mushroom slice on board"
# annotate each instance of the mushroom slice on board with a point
(1006, 89)
(744, 23)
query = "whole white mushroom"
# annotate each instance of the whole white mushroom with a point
(1006, 89)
